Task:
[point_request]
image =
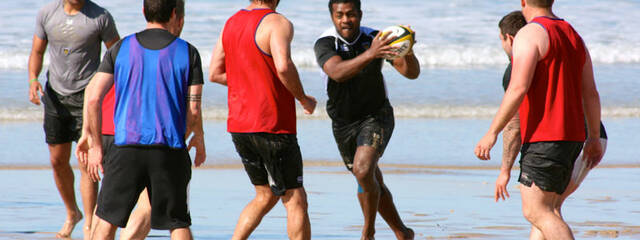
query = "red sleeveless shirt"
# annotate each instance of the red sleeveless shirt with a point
(258, 101)
(108, 108)
(552, 108)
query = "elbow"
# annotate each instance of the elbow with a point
(285, 69)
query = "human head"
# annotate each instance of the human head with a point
(509, 25)
(529, 5)
(346, 16)
(273, 3)
(166, 12)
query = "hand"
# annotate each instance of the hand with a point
(94, 168)
(309, 104)
(501, 185)
(82, 149)
(592, 152)
(380, 46)
(483, 149)
(197, 141)
(35, 91)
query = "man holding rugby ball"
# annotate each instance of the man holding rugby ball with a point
(362, 117)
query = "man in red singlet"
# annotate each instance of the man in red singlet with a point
(253, 58)
(552, 83)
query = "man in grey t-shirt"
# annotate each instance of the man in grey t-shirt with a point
(73, 30)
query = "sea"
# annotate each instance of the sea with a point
(439, 117)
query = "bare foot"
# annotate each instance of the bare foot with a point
(69, 225)
(407, 234)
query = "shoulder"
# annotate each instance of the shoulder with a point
(276, 19)
(532, 32)
(49, 8)
(328, 36)
(368, 31)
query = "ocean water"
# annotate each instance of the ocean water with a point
(440, 116)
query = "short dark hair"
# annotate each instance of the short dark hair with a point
(511, 23)
(356, 4)
(541, 3)
(265, 1)
(160, 10)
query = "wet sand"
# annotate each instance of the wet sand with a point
(437, 202)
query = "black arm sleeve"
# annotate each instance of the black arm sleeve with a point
(195, 66)
(109, 60)
(324, 49)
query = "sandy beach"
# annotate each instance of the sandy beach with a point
(437, 202)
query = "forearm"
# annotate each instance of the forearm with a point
(408, 66)
(509, 107)
(342, 71)
(35, 64)
(194, 115)
(591, 105)
(511, 144)
(291, 80)
(220, 78)
(93, 120)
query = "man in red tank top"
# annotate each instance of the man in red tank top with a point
(253, 58)
(553, 86)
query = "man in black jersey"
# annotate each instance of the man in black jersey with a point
(362, 117)
(509, 26)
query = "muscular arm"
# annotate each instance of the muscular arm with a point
(527, 48)
(511, 144)
(102, 82)
(591, 105)
(38, 49)
(217, 70)
(342, 70)
(194, 123)
(408, 66)
(280, 46)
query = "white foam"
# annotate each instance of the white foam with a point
(401, 111)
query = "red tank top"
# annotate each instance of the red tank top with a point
(108, 108)
(552, 108)
(258, 101)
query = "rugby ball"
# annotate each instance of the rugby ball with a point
(403, 40)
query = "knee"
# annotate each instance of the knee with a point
(297, 201)
(266, 198)
(58, 163)
(362, 173)
(532, 215)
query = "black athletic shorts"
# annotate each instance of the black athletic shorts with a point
(273, 159)
(107, 146)
(163, 171)
(62, 116)
(374, 130)
(548, 164)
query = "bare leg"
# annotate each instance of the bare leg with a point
(254, 212)
(89, 193)
(181, 234)
(139, 223)
(103, 230)
(389, 213)
(364, 169)
(538, 208)
(63, 174)
(298, 226)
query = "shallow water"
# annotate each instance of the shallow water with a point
(449, 203)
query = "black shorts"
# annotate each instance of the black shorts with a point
(62, 116)
(548, 164)
(163, 171)
(108, 144)
(374, 130)
(273, 159)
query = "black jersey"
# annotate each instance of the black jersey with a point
(361, 95)
(505, 83)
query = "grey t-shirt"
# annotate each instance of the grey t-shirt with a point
(74, 43)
